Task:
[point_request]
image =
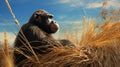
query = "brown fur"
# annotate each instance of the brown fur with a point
(38, 34)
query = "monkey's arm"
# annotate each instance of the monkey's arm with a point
(38, 40)
(33, 36)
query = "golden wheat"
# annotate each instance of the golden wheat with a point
(99, 46)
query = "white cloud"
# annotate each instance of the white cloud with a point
(110, 3)
(72, 3)
(19, 1)
(7, 24)
(114, 3)
(65, 1)
(76, 22)
(2, 24)
(62, 17)
(10, 37)
(93, 5)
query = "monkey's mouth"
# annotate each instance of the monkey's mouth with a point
(54, 27)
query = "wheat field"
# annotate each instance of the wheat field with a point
(98, 45)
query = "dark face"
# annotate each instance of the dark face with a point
(45, 21)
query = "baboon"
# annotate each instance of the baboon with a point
(37, 33)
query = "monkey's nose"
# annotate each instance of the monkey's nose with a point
(53, 21)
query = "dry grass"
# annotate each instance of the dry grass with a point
(6, 55)
(99, 46)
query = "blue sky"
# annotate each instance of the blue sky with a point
(64, 11)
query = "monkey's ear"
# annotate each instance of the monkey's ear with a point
(37, 18)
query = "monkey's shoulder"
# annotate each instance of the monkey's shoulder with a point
(29, 26)
(30, 29)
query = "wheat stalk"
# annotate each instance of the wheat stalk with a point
(17, 23)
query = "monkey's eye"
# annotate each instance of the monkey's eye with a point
(50, 20)
(41, 15)
(46, 16)
(50, 16)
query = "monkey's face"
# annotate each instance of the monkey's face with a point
(45, 21)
